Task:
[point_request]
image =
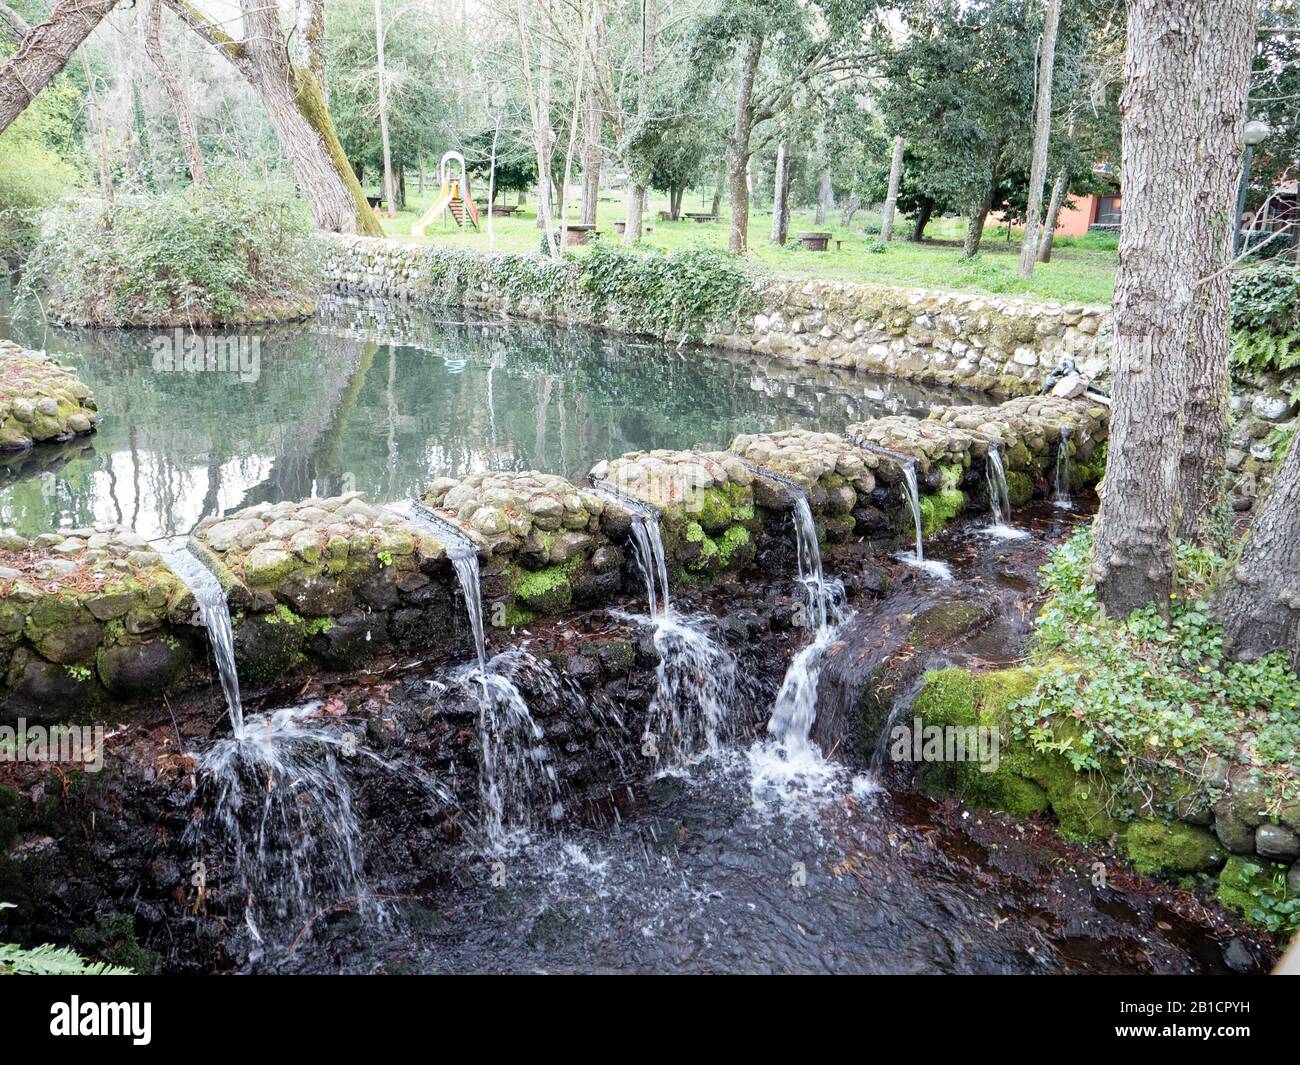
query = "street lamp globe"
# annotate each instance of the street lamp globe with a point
(1256, 131)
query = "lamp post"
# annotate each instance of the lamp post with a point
(1254, 132)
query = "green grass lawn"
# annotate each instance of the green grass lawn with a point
(1079, 271)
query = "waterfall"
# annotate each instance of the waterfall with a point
(514, 769)
(696, 676)
(215, 612)
(1061, 495)
(913, 495)
(1000, 498)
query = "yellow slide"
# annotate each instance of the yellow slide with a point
(439, 205)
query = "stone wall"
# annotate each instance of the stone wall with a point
(981, 342)
(93, 617)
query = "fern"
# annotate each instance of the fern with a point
(1260, 351)
(49, 960)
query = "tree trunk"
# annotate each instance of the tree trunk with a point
(923, 215)
(636, 195)
(175, 93)
(420, 170)
(717, 195)
(1133, 552)
(44, 51)
(1042, 133)
(891, 198)
(851, 207)
(593, 124)
(825, 197)
(781, 193)
(1048, 235)
(738, 149)
(975, 226)
(1259, 602)
(309, 39)
(390, 187)
(1205, 412)
(297, 112)
(101, 132)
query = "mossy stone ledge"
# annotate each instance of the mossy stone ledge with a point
(40, 400)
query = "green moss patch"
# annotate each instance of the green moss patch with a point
(1159, 849)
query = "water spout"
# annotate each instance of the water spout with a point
(215, 612)
(1000, 497)
(1061, 495)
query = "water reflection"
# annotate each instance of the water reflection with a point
(381, 398)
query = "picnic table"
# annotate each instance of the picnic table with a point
(814, 241)
(701, 216)
(502, 210)
(577, 233)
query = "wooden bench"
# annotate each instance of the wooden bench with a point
(698, 216)
(814, 241)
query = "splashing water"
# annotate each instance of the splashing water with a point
(514, 769)
(1061, 495)
(696, 675)
(791, 763)
(215, 612)
(282, 809)
(917, 559)
(1000, 497)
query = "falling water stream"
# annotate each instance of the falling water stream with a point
(1061, 495)
(696, 675)
(1000, 498)
(215, 612)
(515, 773)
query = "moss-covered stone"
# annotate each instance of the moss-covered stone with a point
(939, 508)
(1090, 471)
(946, 621)
(1080, 801)
(1252, 886)
(1020, 487)
(1160, 849)
(544, 591)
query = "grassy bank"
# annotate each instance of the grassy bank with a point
(1081, 271)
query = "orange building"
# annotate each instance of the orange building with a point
(1081, 213)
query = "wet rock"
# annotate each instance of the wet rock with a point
(351, 640)
(1275, 841)
(1237, 957)
(144, 668)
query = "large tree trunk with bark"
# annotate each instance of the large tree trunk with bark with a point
(923, 215)
(593, 120)
(1048, 235)
(1259, 602)
(175, 93)
(1222, 118)
(851, 207)
(44, 51)
(309, 39)
(825, 197)
(1042, 134)
(390, 188)
(738, 149)
(891, 197)
(781, 193)
(296, 108)
(975, 226)
(1160, 253)
(636, 193)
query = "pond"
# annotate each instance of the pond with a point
(382, 398)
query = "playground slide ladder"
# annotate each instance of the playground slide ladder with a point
(454, 196)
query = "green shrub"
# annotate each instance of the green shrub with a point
(672, 296)
(33, 174)
(234, 251)
(1266, 318)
